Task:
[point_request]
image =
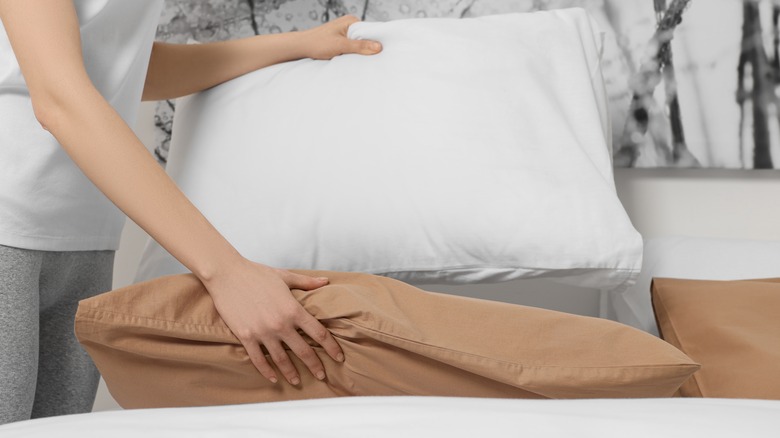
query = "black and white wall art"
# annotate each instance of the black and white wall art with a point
(691, 83)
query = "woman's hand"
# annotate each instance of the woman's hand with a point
(255, 301)
(330, 39)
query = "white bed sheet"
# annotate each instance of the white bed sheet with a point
(414, 416)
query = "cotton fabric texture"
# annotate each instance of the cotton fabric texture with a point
(425, 417)
(468, 150)
(43, 369)
(162, 343)
(46, 202)
(730, 327)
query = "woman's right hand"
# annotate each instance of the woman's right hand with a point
(255, 301)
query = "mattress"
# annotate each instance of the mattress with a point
(414, 416)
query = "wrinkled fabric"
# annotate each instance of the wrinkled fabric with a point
(162, 343)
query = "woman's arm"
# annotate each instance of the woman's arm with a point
(177, 70)
(253, 299)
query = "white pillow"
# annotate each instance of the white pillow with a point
(468, 150)
(694, 258)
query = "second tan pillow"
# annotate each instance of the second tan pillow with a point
(731, 327)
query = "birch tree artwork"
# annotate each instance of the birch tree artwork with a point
(691, 83)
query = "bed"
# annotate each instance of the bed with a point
(397, 205)
(426, 417)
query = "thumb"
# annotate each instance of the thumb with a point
(364, 47)
(303, 282)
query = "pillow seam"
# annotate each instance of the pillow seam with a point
(127, 316)
(508, 362)
(662, 303)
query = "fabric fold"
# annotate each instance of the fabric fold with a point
(162, 343)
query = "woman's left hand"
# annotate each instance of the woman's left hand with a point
(330, 39)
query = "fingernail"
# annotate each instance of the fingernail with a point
(340, 357)
(322, 278)
(320, 375)
(273, 380)
(295, 381)
(375, 46)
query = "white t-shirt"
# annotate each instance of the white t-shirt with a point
(46, 202)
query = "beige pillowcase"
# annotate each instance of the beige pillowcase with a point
(731, 327)
(162, 343)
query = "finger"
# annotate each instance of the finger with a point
(283, 362)
(322, 336)
(306, 354)
(364, 47)
(348, 19)
(258, 359)
(303, 282)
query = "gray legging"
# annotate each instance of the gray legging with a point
(43, 369)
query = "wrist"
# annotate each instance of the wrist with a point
(301, 43)
(218, 266)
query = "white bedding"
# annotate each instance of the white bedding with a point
(410, 416)
(703, 258)
(467, 151)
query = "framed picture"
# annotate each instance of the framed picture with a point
(691, 83)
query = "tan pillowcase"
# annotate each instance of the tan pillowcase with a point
(162, 343)
(731, 327)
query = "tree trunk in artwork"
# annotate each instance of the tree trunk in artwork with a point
(681, 156)
(680, 153)
(644, 109)
(763, 78)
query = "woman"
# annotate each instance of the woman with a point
(78, 70)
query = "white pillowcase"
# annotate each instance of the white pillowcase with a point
(468, 150)
(694, 258)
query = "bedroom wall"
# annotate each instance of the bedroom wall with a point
(660, 202)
